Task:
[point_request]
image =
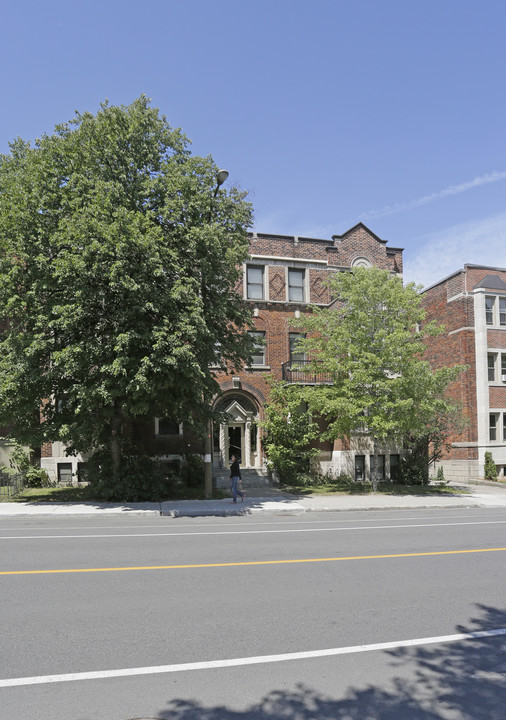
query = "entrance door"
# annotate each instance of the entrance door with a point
(236, 441)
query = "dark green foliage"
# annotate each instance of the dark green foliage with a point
(414, 469)
(343, 482)
(143, 478)
(490, 469)
(118, 263)
(192, 471)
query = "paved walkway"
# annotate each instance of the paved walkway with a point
(268, 501)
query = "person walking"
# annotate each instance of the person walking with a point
(235, 477)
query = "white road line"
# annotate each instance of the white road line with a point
(236, 662)
(270, 521)
(251, 532)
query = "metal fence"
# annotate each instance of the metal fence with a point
(10, 485)
(304, 372)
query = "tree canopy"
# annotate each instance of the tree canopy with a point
(119, 257)
(369, 344)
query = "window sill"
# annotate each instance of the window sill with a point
(251, 368)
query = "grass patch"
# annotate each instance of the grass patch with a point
(85, 494)
(51, 494)
(340, 488)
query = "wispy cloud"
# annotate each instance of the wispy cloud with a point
(447, 192)
(482, 242)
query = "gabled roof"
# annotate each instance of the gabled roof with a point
(355, 227)
(491, 282)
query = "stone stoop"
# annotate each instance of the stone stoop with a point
(251, 477)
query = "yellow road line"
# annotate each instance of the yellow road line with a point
(251, 562)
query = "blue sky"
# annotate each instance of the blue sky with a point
(328, 112)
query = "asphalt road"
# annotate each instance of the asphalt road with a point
(357, 615)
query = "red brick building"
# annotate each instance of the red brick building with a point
(471, 305)
(283, 276)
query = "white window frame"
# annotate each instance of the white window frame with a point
(489, 309)
(491, 366)
(302, 286)
(253, 266)
(493, 425)
(502, 311)
(260, 348)
(293, 339)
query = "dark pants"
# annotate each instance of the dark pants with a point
(235, 490)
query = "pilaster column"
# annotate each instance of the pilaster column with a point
(247, 443)
(223, 447)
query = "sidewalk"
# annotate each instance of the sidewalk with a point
(265, 501)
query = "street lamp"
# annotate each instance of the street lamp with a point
(221, 176)
(220, 179)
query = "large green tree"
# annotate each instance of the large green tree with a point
(369, 345)
(119, 257)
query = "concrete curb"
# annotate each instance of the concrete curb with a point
(272, 505)
(388, 507)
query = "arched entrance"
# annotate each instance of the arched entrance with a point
(240, 433)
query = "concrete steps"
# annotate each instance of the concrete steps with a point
(251, 477)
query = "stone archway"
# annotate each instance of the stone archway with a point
(240, 432)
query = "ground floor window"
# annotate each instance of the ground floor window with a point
(166, 426)
(377, 463)
(492, 432)
(65, 473)
(394, 467)
(360, 468)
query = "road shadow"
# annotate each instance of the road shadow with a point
(463, 680)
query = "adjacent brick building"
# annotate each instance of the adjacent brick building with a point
(471, 305)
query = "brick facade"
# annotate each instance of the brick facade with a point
(314, 259)
(470, 338)
(290, 271)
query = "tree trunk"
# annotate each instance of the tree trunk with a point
(116, 428)
(373, 468)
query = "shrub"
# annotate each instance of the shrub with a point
(20, 462)
(413, 470)
(192, 471)
(490, 470)
(440, 477)
(37, 478)
(312, 479)
(143, 478)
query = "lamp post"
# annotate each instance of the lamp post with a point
(221, 176)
